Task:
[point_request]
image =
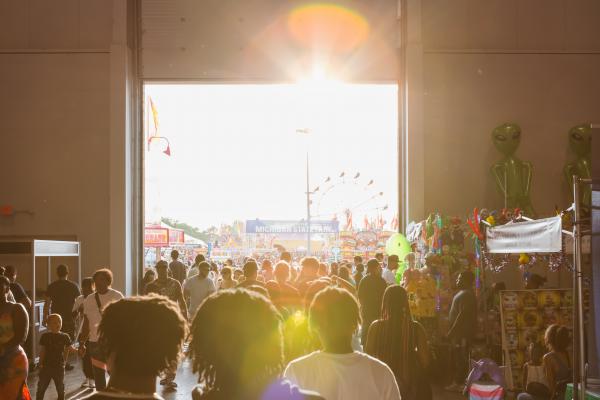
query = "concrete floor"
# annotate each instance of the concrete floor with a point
(186, 380)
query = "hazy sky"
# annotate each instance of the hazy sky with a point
(236, 152)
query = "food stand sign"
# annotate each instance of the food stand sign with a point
(156, 237)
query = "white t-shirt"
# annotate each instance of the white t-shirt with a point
(198, 289)
(91, 311)
(344, 376)
(389, 276)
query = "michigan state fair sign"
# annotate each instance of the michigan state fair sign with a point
(538, 236)
(278, 226)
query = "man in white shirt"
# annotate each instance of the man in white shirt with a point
(92, 312)
(338, 372)
(389, 273)
(198, 287)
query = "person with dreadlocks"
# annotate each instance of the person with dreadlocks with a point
(402, 344)
(246, 362)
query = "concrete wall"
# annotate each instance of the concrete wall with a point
(54, 124)
(486, 62)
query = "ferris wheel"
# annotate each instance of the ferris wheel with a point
(347, 195)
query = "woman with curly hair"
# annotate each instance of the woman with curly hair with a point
(237, 350)
(142, 337)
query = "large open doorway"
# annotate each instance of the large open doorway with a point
(235, 170)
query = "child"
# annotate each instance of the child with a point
(55, 346)
(534, 375)
(87, 288)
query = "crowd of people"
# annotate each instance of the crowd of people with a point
(262, 330)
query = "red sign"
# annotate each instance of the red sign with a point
(156, 237)
(176, 237)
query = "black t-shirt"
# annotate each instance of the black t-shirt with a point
(463, 314)
(370, 295)
(54, 347)
(63, 294)
(18, 292)
(178, 270)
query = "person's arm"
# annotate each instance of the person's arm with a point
(20, 325)
(549, 370)
(181, 301)
(524, 375)
(186, 293)
(83, 335)
(67, 348)
(371, 345)
(42, 355)
(47, 304)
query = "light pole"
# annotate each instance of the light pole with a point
(306, 131)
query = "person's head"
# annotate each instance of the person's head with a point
(334, 316)
(4, 287)
(102, 280)
(465, 280)
(534, 281)
(249, 356)
(535, 352)
(226, 273)
(203, 269)
(250, 270)
(360, 269)
(286, 256)
(62, 271)
(199, 258)
(334, 268)
(10, 272)
(392, 262)
(557, 338)
(87, 286)
(373, 267)
(174, 255)
(238, 274)
(162, 269)
(411, 260)
(395, 304)
(142, 335)
(379, 257)
(266, 265)
(228, 262)
(322, 269)
(310, 267)
(358, 260)
(344, 273)
(149, 276)
(54, 322)
(282, 272)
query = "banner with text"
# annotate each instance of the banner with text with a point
(275, 227)
(539, 236)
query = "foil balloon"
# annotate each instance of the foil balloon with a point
(397, 244)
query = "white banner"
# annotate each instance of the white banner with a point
(539, 236)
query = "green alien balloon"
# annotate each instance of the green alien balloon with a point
(398, 244)
(512, 175)
(580, 141)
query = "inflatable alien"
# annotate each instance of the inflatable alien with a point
(580, 140)
(513, 176)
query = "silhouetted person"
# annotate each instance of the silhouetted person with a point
(370, 295)
(178, 269)
(463, 325)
